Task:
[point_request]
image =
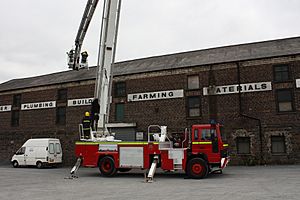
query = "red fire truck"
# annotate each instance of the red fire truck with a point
(197, 152)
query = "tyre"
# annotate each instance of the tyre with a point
(15, 164)
(197, 168)
(39, 164)
(107, 166)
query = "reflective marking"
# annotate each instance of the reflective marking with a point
(225, 145)
(119, 143)
(201, 142)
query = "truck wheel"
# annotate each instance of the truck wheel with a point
(39, 164)
(197, 168)
(15, 164)
(107, 166)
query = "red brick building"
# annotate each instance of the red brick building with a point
(252, 89)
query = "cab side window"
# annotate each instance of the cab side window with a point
(207, 134)
(21, 151)
(196, 134)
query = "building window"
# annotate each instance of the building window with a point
(62, 94)
(278, 144)
(281, 73)
(243, 145)
(194, 106)
(15, 118)
(120, 112)
(120, 89)
(17, 100)
(284, 100)
(193, 82)
(61, 116)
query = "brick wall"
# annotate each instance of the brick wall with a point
(173, 112)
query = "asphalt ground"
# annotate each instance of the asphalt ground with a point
(236, 182)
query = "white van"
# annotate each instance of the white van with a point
(39, 152)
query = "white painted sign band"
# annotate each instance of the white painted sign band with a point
(232, 89)
(5, 108)
(80, 102)
(38, 105)
(156, 95)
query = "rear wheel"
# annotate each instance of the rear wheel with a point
(197, 168)
(15, 164)
(39, 164)
(107, 166)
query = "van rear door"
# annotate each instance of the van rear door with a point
(55, 153)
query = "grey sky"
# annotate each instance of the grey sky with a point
(36, 34)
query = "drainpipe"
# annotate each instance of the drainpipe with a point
(250, 117)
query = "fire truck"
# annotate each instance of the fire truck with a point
(198, 151)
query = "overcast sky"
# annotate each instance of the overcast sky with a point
(36, 34)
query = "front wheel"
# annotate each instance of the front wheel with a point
(15, 164)
(107, 166)
(197, 168)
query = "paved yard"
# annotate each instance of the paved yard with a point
(246, 183)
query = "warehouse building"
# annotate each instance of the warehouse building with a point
(252, 89)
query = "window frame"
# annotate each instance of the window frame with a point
(283, 142)
(17, 100)
(277, 71)
(15, 118)
(117, 89)
(116, 112)
(278, 102)
(189, 107)
(59, 120)
(239, 142)
(188, 85)
(62, 95)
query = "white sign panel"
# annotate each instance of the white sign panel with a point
(232, 89)
(297, 83)
(5, 108)
(80, 102)
(38, 105)
(155, 95)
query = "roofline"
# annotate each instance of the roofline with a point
(207, 49)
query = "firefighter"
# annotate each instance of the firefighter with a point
(86, 125)
(95, 114)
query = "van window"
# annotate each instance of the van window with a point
(21, 151)
(51, 148)
(58, 149)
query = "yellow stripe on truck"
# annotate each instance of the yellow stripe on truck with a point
(119, 143)
(225, 145)
(202, 143)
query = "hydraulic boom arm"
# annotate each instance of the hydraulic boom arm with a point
(106, 55)
(74, 55)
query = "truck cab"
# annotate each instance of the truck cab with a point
(207, 152)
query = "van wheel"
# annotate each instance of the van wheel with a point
(197, 168)
(107, 166)
(15, 164)
(39, 165)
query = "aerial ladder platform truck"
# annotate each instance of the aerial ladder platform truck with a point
(198, 151)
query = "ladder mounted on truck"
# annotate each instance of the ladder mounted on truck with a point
(106, 54)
